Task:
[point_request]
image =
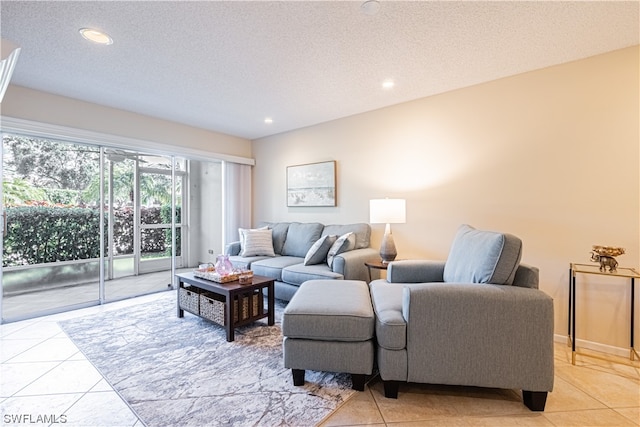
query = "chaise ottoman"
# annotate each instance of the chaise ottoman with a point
(328, 326)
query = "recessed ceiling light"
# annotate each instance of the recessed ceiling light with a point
(268, 120)
(370, 7)
(388, 84)
(96, 36)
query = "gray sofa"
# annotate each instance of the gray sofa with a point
(290, 244)
(477, 319)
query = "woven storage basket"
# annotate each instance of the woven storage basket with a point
(189, 299)
(257, 304)
(212, 307)
(244, 308)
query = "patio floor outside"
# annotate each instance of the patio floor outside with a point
(32, 304)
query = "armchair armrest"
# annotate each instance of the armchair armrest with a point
(232, 248)
(527, 276)
(415, 271)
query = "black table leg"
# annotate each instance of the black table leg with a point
(180, 312)
(633, 299)
(569, 309)
(229, 320)
(271, 319)
(573, 320)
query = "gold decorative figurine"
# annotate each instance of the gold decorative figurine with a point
(605, 255)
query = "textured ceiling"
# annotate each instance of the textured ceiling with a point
(225, 66)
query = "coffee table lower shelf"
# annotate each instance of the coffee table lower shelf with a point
(228, 304)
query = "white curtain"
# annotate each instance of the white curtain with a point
(236, 190)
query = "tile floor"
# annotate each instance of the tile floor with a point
(44, 379)
(594, 392)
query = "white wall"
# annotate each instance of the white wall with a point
(551, 156)
(29, 104)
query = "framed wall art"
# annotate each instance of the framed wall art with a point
(313, 184)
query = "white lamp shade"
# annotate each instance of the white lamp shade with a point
(387, 211)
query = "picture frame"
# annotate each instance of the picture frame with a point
(311, 184)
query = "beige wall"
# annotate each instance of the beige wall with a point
(29, 104)
(551, 156)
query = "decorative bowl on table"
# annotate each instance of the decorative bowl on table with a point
(607, 250)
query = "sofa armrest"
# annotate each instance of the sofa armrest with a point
(415, 271)
(479, 334)
(232, 248)
(351, 263)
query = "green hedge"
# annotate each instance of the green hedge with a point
(40, 234)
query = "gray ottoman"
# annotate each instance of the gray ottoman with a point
(328, 326)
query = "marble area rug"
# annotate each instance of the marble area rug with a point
(183, 372)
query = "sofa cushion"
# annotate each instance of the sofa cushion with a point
(300, 237)
(272, 267)
(244, 263)
(279, 235)
(362, 233)
(297, 274)
(478, 256)
(344, 243)
(318, 252)
(257, 242)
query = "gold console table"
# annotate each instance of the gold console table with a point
(575, 269)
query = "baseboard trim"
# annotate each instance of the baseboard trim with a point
(595, 346)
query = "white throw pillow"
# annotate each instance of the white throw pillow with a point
(258, 242)
(344, 243)
(241, 232)
(317, 253)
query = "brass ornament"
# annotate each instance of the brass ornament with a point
(605, 255)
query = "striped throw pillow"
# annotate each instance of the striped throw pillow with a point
(258, 242)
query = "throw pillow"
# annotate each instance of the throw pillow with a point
(279, 235)
(241, 232)
(317, 254)
(342, 244)
(258, 242)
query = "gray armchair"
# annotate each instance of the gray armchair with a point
(477, 319)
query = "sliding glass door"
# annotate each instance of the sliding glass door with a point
(139, 205)
(68, 206)
(51, 239)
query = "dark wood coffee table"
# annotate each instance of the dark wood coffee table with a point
(233, 291)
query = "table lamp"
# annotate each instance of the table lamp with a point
(387, 211)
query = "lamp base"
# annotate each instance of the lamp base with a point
(388, 248)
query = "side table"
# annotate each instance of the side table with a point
(575, 269)
(376, 264)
